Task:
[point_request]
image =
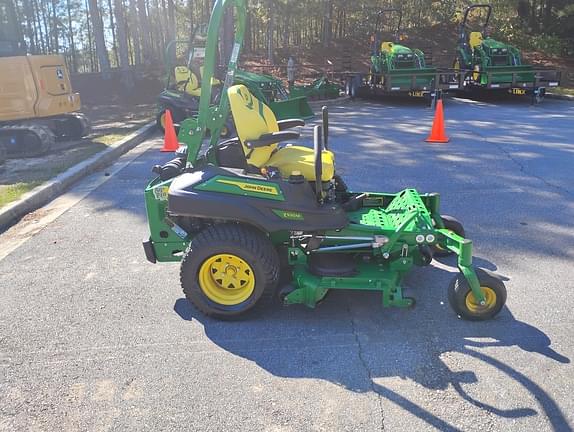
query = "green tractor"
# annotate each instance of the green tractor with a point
(483, 63)
(184, 76)
(272, 91)
(396, 68)
(247, 212)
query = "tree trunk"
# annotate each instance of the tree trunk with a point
(101, 50)
(74, 61)
(122, 38)
(135, 32)
(55, 27)
(171, 26)
(286, 30)
(327, 23)
(113, 28)
(270, 30)
(90, 45)
(144, 31)
(228, 34)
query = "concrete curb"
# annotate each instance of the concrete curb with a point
(46, 192)
(560, 97)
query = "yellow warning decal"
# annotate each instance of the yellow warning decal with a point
(251, 187)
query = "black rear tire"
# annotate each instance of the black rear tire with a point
(453, 224)
(462, 300)
(246, 244)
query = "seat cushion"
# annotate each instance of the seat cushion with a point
(296, 158)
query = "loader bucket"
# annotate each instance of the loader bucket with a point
(292, 108)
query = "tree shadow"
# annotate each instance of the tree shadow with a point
(278, 341)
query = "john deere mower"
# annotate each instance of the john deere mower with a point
(485, 64)
(395, 68)
(250, 210)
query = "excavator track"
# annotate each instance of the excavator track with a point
(73, 126)
(26, 140)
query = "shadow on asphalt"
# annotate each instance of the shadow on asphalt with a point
(384, 353)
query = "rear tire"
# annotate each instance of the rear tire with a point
(463, 302)
(227, 269)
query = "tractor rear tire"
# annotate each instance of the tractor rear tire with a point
(227, 269)
(454, 225)
(463, 302)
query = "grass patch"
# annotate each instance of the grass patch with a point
(109, 139)
(10, 193)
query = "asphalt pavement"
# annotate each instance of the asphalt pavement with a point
(95, 338)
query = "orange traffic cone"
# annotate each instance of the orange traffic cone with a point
(170, 143)
(438, 134)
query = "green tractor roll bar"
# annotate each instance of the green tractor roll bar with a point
(212, 117)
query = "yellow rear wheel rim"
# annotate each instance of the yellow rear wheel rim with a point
(162, 120)
(474, 306)
(226, 279)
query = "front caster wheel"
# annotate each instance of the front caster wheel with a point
(465, 304)
(454, 225)
(227, 269)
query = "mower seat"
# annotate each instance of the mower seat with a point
(187, 81)
(253, 120)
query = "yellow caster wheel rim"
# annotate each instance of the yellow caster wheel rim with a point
(226, 279)
(474, 306)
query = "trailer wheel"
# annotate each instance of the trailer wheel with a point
(451, 224)
(464, 303)
(227, 269)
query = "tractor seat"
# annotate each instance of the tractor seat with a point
(187, 81)
(258, 132)
(475, 39)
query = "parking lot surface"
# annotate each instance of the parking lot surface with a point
(95, 338)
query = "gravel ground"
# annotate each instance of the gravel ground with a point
(94, 338)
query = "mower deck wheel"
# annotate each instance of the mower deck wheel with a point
(465, 304)
(227, 269)
(454, 225)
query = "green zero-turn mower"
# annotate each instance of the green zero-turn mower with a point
(396, 68)
(248, 211)
(485, 64)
